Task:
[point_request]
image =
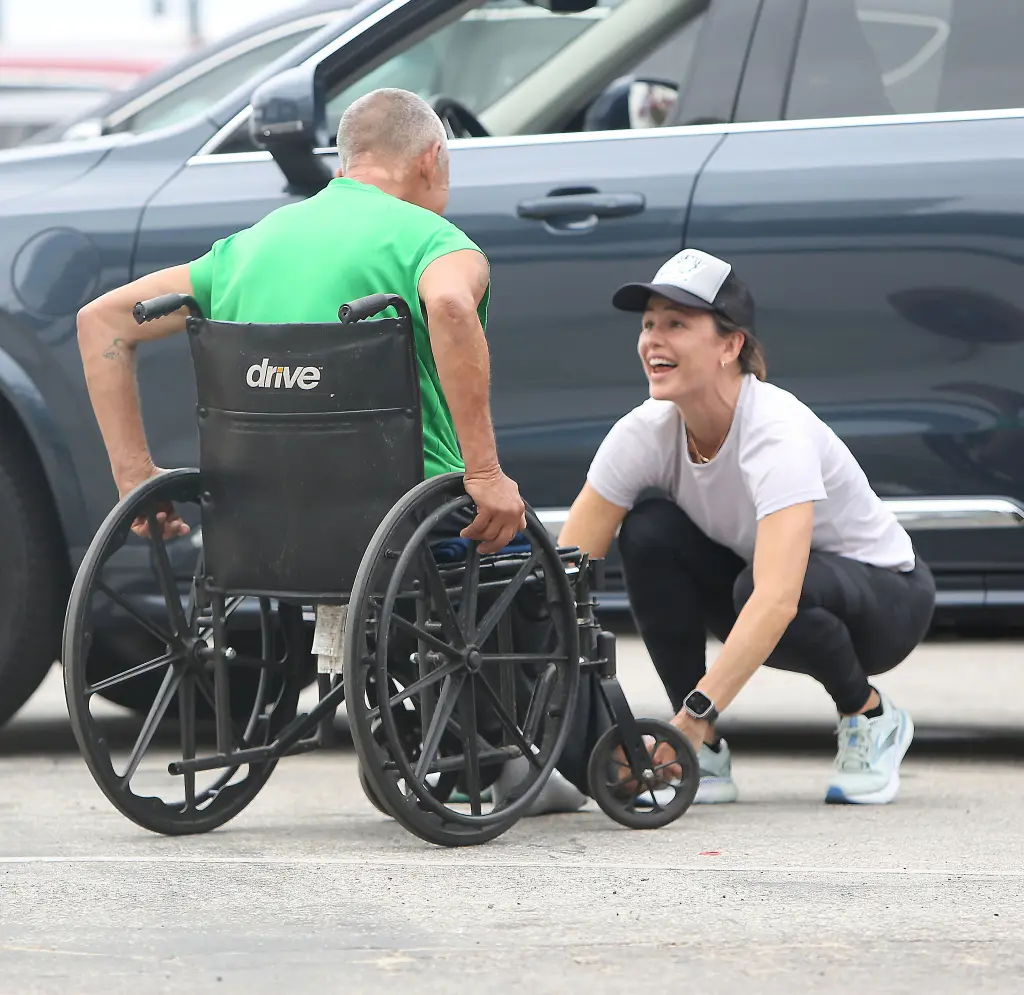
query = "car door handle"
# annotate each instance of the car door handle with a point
(601, 205)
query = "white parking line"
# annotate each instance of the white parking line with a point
(554, 864)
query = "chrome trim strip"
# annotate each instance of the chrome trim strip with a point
(260, 155)
(956, 513)
(746, 127)
(919, 514)
(517, 141)
(343, 39)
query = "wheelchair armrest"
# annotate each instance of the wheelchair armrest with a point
(367, 307)
(160, 307)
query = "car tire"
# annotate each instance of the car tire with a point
(34, 574)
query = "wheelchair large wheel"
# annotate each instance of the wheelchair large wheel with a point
(438, 633)
(127, 757)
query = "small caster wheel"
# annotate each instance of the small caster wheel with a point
(662, 796)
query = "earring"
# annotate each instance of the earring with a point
(723, 364)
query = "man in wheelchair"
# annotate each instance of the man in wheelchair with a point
(378, 224)
(474, 670)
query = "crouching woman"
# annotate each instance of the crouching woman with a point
(770, 536)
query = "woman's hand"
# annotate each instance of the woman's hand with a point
(695, 730)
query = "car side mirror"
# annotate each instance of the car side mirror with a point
(565, 6)
(288, 121)
(631, 103)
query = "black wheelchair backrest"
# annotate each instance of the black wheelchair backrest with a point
(308, 435)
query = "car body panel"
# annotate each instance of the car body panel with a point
(885, 260)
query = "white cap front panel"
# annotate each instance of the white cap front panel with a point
(695, 272)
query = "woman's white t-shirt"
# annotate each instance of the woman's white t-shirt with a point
(778, 453)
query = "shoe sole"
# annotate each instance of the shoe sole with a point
(716, 791)
(836, 796)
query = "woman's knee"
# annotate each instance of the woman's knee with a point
(649, 526)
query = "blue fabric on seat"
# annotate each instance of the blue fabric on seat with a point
(456, 550)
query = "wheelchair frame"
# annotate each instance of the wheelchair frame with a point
(445, 636)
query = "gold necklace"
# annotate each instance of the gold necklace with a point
(696, 453)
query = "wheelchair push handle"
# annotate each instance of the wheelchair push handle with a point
(367, 307)
(160, 307)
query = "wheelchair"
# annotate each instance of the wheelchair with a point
(455, 668)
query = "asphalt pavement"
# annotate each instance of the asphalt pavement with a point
(311, 889)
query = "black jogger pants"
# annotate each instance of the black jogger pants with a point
(853, 620)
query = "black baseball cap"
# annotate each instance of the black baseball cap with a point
(694, 279)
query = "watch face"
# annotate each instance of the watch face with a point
(698, 702)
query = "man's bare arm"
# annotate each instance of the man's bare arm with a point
(107, 338)
(451, 289)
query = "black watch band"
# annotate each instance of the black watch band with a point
(700, 706)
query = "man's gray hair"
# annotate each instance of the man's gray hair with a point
(391, 125)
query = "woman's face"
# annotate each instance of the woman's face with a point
(680, 348)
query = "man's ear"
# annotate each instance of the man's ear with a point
(432, 164)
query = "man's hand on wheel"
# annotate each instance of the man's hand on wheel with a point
(500, 511)
(168, 520)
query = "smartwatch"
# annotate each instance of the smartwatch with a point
(700, 706)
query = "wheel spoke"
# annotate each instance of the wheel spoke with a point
(508, 722)
(467, 718)
(416, 687)
(156, 714)
(168, 587)
(151, 627)
(439, 596)
(445, 706)
(127, 675)
(502, 604)
(420, 633)
(470, 590)
(187, 722)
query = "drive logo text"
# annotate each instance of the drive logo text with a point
(265, 375)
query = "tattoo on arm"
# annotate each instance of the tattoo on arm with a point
(115, 350)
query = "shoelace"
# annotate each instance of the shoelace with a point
(855, 747)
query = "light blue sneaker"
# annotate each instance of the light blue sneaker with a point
(716, 784)
(867, 764)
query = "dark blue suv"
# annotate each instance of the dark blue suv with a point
(858, 160)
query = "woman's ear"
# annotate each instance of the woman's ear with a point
(736, 346)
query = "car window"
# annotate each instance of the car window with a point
(202, 92)
(868, 57)
(483, 56)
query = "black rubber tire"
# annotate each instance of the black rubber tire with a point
(34, 574)
(151, 813)
(618, 807)
(371, 794)
(425, 816)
